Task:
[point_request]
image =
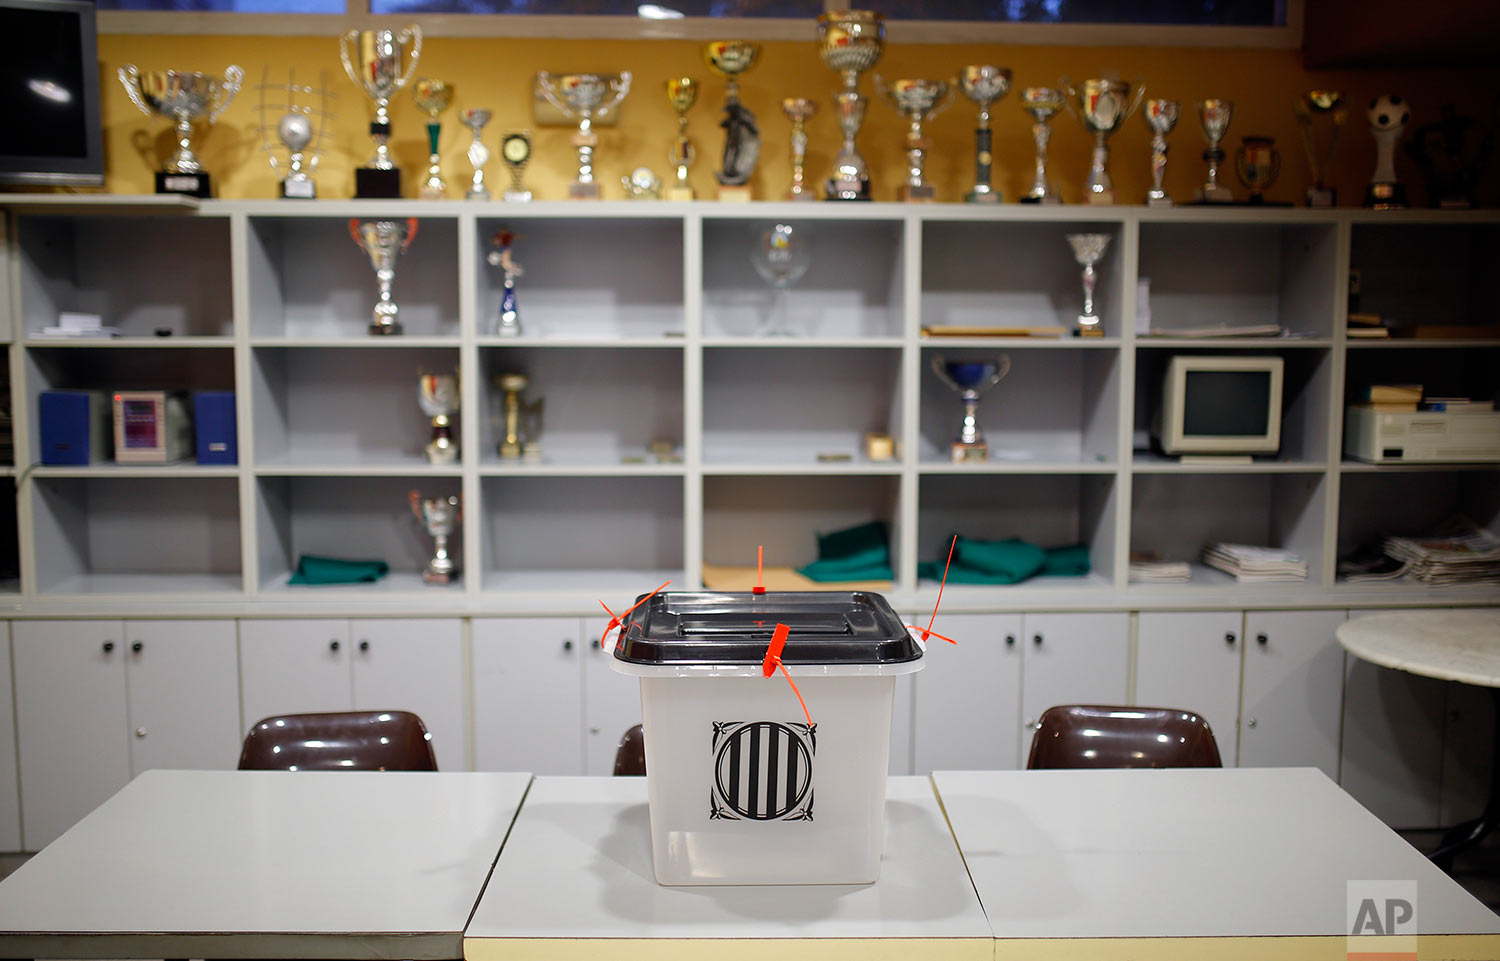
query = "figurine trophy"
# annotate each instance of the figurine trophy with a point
(970, 379)
(1214, 117)
(475, 118)
(1088, 250)
(1257, 163)
(440, 517)
(1388, 115)
(375, 68)
(1452, 153)
(729, 59)
(181, 97)
(918, 101)
(582, 96)
(515, 150)
(1321, 103)
(1042, 103)
(437, 395)
(1161, 117)
(294, 130)
(799, 110)
(983, 85)
(850, 41)
(522, 420)
(1102, 106)
(509, 323)
(384, 241)
(682, 93)
(432, 97)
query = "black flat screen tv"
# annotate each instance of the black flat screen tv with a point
(49, 83)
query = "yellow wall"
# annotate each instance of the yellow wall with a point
(495, 73)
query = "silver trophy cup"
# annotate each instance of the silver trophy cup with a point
(1161, 117)
(850, 41)
(582, 96)
(440, 517)
(183, 98)
(384, 241)
(970, 379)
(1102, 106)
(475, 118)
(438, 396)
(1214, 116)
(984, 85)
(375, 66)
(1042, 103)
(1088, 250)
(918, 101)
(296, 115)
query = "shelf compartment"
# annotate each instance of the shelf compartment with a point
(853, 286)
(355, 517)
(1077, 425)
(1413, 504)
(1175, 515)
(139, 273)
(307, 278)
(1426, 273)
(1241, 274)
(598, 405)
(774, 407)
(170, 535)
(548, 531)
(334, 407)
(1016, 275)
(1306, 387)
(1443, 371)
(1048, 510)
(587, 277)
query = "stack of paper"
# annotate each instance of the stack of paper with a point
(1255, 564)
(1158, 572)
(1472, 557)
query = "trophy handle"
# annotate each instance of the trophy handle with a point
(233, 75)
(1275, 168)
(130, 79)
(1002, 367)
(1140, 94)
(946, 102)
(411, 233)
(348, 35)
(544, 86)
(413, 33)
(354, 232)
(621, 87)
(1069, 92)
(937, 365)
(415, 500)
(882, 88)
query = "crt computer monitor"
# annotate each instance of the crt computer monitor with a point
(49, 84)
(1220, 405)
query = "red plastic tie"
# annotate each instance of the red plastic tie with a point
(619, 620)
(928, 633)
(773, 652)
(760, 571)
(795, 691)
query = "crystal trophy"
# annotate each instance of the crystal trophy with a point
(781, 255)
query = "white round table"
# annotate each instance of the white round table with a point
(1449, 645)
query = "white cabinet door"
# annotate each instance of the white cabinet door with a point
(528, 707)
(1191, 660)
(611, 703)
(70, 722)
(184, 695)
(10, 786)
(967, 696)
(1294, 683)
(1071, 659)
(294, 667)
(415, 665)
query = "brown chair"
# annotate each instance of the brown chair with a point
(630, 757)
(344, 741)
(1080, 736)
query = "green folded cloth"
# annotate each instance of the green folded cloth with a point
(1010, 560)
(1070, 561)
(859, 553)
(333, 570)
(832, 571)
(933, 571)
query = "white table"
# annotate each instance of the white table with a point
(1461, 646)
(1188, 863)
(265, 864)
(575, 882)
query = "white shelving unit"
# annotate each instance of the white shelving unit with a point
(642, 324)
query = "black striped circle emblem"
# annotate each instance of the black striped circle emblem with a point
(763, 770)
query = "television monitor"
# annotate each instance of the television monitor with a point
(1220, 406)
(49, 83)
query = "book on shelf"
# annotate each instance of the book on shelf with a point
(1365, 320)
(1249, 563)
(1220, 331)
(963, 330)
(1448, 331)
(1388, 407)
(1392, 393)
(1368, 333)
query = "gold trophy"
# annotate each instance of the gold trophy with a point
(1321, 103)
(799, 110)
(523, 420)
(515, 150)
(729, 59)
(437, 395)
(432, 97)
(682, 93)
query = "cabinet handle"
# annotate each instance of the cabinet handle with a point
(594, 730)
(140, 732)
(108, 646)
(567, 645)
(364, 645)
(594, 643)
(1010, 639)
(1036, 639)
(1262, 640)
(137, 647)
(333, 646)
(1250, 722)
(1229, 638)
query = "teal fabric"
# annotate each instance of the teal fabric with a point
(825, 572)
(1006, 562)
(333, 570)
(860, 553)
(864, 539)
(1070, 561)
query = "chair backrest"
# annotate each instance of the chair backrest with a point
(630, 757)
(1077, 735)
(343, 741)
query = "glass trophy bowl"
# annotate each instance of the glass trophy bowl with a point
(781, 254)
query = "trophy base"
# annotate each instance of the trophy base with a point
(584, 191)
(429, 192)
(1386, 196)
(987, 195)
(510, 451)
(735, 194)
(516, 196)
(480, 194)
(392, 329)
(1213, 194)
(1049, 199)
(371, 183)
(1092, 330)
(1100, 198)
(299, 190)
(681, 193)
(439, 577)
(193, 185)
(916, 193)
(1457, 203)
(1158, 201)
(846, 190)
(442, 452)
(976, 453)
(1322, 197)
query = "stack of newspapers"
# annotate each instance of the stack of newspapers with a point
(1250, 564)
(1149, 568)
(1471, 557)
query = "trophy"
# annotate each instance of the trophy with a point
(294, 130)
(642, 183)
(432, 97)
(1257, 163)
(383, 241)
(581, 96)
(1452, 172)
(509, 324)
(1320, 103)
(1388, 115)
(1088, 250)
(970, 379)
(1161, 117)
(475, 118)
(729, 59)
(375, 68)
(781, 255)
(440, 516)
(182, 98)
(1102, 107)
(515, 150)
(799, 110)
(682, 93)
(918, 101)
(437, 395)
(523, 420)
(983, 85)
(1042, 103)
(1214, 117)
(850, 41)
